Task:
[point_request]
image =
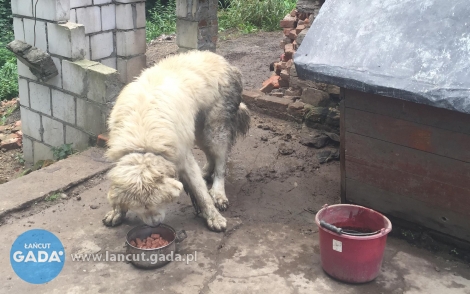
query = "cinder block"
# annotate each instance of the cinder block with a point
(41, 41)
(108, 17)
(131, 42)
(130, 68)
(40, 98)
(22, 7)
(140, 15)
(99, 2)
(24, 71)
(18, 28)
(67, 40)
(63, 106)
(186, 33)
(124, 17)
(28, 150)
(41, 151)
(73, 15)
(80, 3)
(74, 75)
(182, 8)
(57, 80)
(90, 17)
(53, 132)
(104, 84)
(90, 117)
(79, 139)
(54, 10)
(110, 62)
(102, 45)
(30, 123)
(23, 92)
(87, 50)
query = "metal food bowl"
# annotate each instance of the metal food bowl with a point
(153, 258)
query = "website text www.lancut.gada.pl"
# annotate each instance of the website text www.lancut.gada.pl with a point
(153, 258)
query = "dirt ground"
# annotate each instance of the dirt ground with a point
(251, 53)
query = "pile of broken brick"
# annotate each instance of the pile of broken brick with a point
(286, 96)
(10, 134)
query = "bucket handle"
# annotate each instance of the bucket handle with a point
(331, 227)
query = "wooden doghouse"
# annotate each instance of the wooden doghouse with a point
(404, 70)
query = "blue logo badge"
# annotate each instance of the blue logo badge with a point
(37, 256)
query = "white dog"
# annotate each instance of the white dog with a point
(185, 99)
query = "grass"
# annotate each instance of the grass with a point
(7, 113)
(244, 16)
(63, 151)
(249, 16)
(161, 19)
(52, 197)
(8, 74)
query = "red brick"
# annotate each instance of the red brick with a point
(288, 22)
(203, 23)
(302, 16)
(287, 32)
(272, 103)
(270, 84)
(293, 13)
(292, 34)
(284, 74)
(11, 143)
(283, 83)
(296, 46)
(289, 51)
(299, 28)
(249, 97)
(102, 140)
(274, 80)
(3, 129)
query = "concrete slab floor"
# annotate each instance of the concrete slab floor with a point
(271, 245)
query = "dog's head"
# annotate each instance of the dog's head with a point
(144, 183)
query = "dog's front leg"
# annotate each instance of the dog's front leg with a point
(192, 176)
(114, 217)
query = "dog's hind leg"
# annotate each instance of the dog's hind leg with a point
(193, 181)
(219, 153)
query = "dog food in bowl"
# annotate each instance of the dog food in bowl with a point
(153, 241)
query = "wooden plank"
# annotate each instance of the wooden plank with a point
(423, 189)
(409, 111)
(409, 134)
(342, 148)
(377, 153)
(432, 217)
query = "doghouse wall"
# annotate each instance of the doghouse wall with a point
(87, 40)
(407, 160)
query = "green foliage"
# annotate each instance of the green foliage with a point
(249, 16)
(52, 197)
(6, 114)
(161, 19)
(62, 152)
(20, 158)
(8, 71)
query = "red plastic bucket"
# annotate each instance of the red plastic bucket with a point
(353, 259)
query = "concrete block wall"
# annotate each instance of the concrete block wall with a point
(114, 33)
(197, 25)
(73, 106)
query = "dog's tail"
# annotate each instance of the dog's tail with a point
(243, 120)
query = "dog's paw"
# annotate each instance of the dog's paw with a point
(216, 222)
(220, 200)
(113, 218)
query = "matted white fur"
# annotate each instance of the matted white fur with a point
(157, 119)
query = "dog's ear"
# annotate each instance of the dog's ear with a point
(171, 188)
